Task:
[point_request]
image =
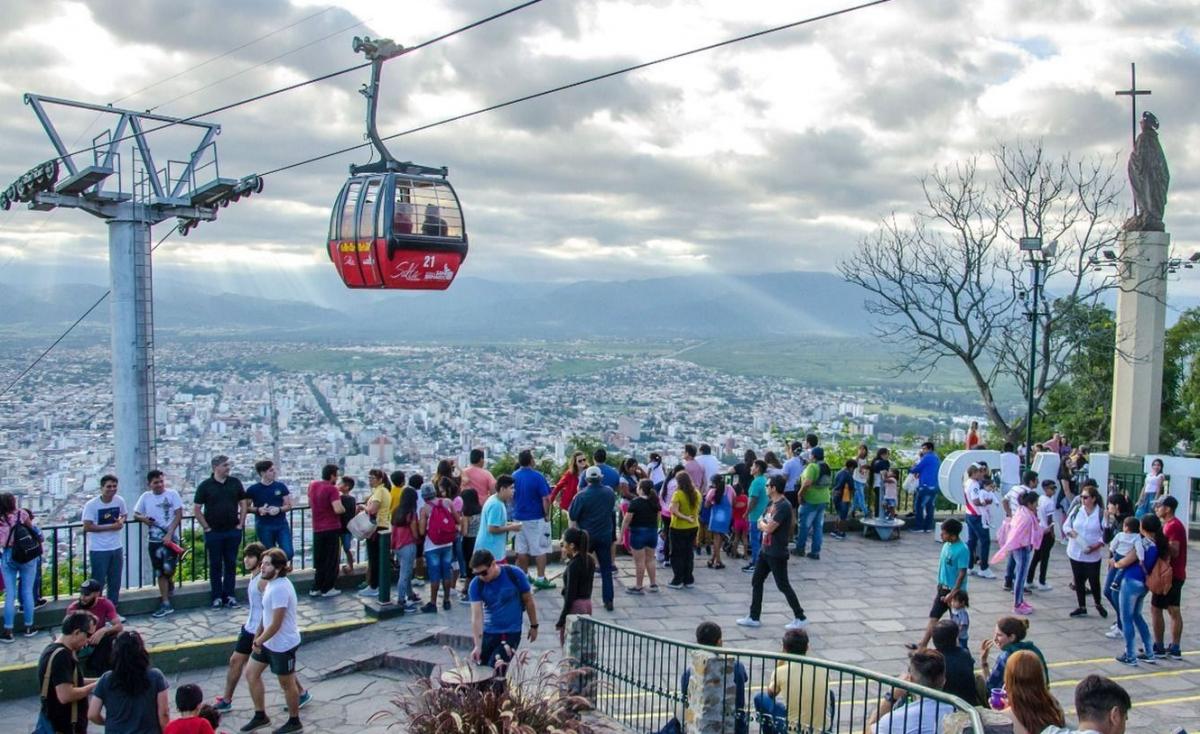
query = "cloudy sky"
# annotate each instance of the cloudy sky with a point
(773, 155)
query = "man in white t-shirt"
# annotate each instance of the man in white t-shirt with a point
(903, 713)
(161, 509)
(979, 502)
(103, 521)
(1010, 468)
(712, 465)
(275, 644)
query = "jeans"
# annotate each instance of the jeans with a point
(106, 569)
(979, 541)
(18, 581)
(222, 549)
(603, 551)
(755, 541)
(1021, 557)
(923, 508)
(1133, 593)
(773, 566)
(859, 502)
(773, 715)
(811, 516)
(406, 558)
(325, 559)
(275, 535)
(683, 560)
(1114, 597)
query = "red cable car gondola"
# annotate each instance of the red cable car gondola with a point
(395, 225)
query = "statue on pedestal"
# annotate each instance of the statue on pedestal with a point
(1149, 177)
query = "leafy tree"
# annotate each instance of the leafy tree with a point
(1181, 382)
(1080, 406)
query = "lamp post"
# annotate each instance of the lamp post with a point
(1039, 256)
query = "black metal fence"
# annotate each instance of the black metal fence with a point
(643, 681)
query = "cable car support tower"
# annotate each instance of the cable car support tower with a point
(131, 193)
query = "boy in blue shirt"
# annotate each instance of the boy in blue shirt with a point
(843, 496)
(952, 577)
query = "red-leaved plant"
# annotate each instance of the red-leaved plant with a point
(536, 699)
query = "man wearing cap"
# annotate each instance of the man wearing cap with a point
(1177, 540)
(96, 657)
(592, 511)
(220, 508)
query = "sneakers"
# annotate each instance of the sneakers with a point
(1080, 612)
(1173, 652)
(748, 622)
(972, 572)
(331, 592)
(446, 605)
(222, 705)
(1024, 609)
(815, 556)
(430, 608)
(369, 592)
(798, 552)
(217, 603)
(1159, 650)
(796, 624)
(1114, 633)
(838, 534)
(748, 568)
(1147, 657)
(1008, 586)
(292, 725)
(543, 583)
(608, 606)
(1102, 611)
(6, 636)
(1043, 587)
(1127, 660)
(259, 721)
(231, 603)
(674, 585)
(314, 592)
(304, 698)
(163, 610)
(30, 632)
(635, 590)
(986, 574)
(652, 588)
(688, 586)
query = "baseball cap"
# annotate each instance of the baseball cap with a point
(427, 491)
(91, 586)
(593, 473)
(818, 453)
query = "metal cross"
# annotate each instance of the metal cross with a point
(1133, 92)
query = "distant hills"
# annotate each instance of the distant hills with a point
(764, 306)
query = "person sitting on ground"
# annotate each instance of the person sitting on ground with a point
(188, 701)
(132, 697)
(709, 634)
(1009, 637)
(960, 666)
(1101, 705)
(1031, 706)
(903, 712)
(803, 687)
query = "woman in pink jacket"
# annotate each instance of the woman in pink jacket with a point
(1021, 535)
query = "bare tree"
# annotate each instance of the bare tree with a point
(951, 283)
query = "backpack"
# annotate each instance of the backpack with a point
(442, 529)
(24, 543)
(1160, 578)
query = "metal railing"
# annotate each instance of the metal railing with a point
(643, 681)
(65, 557)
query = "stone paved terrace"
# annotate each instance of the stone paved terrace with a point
(864, 599)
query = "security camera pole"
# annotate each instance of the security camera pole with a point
(131, 194)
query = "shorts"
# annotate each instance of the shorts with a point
(281, 663)
(1169, 599)
(642, 538)
(438, 565)
(939, 608)
(533, 539)
(495, 649)
(889, 502)
(245, 642)
(162, 559)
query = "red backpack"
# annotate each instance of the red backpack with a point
(442, 529)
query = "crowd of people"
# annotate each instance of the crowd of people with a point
(452, 532)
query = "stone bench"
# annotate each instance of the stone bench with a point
(883, 529)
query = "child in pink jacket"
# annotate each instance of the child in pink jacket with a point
(1020, 535)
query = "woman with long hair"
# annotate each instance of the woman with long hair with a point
(379, 506)
(1151, 546)
(1084, 545)
(685, 523)
(1152, 490)
(1030, 703)
(880, 466)
(471, 508)
(665, 491)
(132, 697)
(406, 537)
(18, 577)
(1008, 638)
(1117, 508)
(640, 523)
(568, 484)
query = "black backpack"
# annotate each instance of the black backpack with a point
(24, 543)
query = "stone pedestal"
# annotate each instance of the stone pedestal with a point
(1141, 325)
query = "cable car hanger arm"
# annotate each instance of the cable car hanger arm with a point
(378, 51)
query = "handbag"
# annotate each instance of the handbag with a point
(361, 525)
(911, 483)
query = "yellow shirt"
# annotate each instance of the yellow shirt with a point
(687, 507)
(383, 519)
(805, 692)
(396, 492)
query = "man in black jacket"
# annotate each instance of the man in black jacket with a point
(593, 510)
